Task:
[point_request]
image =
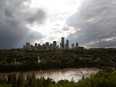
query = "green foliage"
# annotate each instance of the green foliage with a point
(104, 78)
(24, 60)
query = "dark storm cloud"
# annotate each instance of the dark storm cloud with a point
(38, 17)
(13, 32)
(97, 21)
(7, 12)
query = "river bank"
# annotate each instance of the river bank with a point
(70, 74)
(104, 78)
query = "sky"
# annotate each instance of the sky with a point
(91, 23)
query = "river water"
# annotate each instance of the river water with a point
(71, 74)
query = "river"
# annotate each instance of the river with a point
(70, 74)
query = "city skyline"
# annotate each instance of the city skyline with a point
(64, 44)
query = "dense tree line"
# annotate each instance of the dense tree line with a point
(13, 80)
(20, 60)
(104, 78)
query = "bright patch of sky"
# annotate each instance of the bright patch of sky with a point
(57, 13)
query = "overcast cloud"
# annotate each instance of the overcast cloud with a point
(95, 23)
(13, 18)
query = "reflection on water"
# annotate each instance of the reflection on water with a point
(64, 74)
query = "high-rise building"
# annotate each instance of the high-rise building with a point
(77, 45)
(28, 45)
(54, 44)
(73, 46)
(67, 44)
(62, 43)
(31, 47)
(47, 45)
(24, 47)
(43, 46)
(51, 47)
(39, 47)
(35, 44)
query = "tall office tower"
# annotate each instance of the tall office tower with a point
(28, 45)
(54, 44)
(31, 47)
(39, 47)
(47, 45)
(62, 42)
(35, 44)
(35, 47)
(43, 46)
(77, 45)
(67, 44)
(60, 45)
(51, 47)
(73, 46)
